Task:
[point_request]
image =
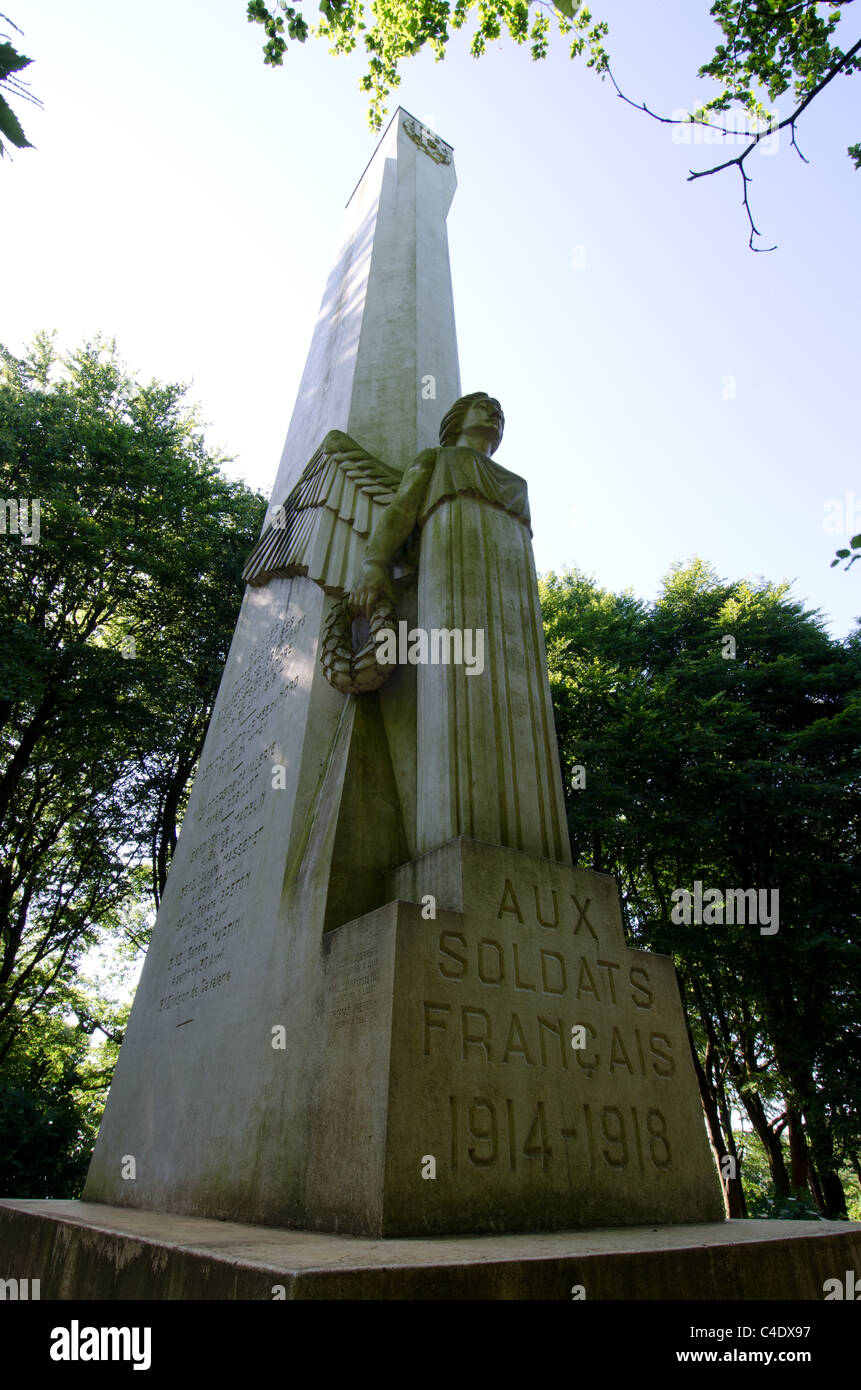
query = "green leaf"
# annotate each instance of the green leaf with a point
(11, 61)
(856, 542)
(10, 126)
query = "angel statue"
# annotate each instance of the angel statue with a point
(487, 764)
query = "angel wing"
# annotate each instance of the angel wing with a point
(323, 527)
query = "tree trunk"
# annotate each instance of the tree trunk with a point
(799, 1157)
(815, 1187)
(770, 1142)
(835, 1197)
(732, 1189)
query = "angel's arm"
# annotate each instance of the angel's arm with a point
(393, 528)
(400, 516)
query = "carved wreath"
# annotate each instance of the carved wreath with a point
(349, 648)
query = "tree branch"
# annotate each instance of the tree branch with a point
(738, 160)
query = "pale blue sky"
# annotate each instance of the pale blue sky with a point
(187, 200)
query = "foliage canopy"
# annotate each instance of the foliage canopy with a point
(123, 547)
(765, 49)
(742, 771)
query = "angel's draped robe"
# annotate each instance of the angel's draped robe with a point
(488, 765)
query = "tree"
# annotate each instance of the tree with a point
(52, 1095)
(719, 730)
(123, 551)
(11, 63)
(766, 48)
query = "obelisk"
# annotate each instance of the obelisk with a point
(383, 359)
(353, 1016)
(209, 1106)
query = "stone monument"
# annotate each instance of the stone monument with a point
(378, 998)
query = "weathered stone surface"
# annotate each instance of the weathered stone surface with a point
(410, 1038)
(309, 1046)
(200, 1095)
(212, 1112)
(450, 1039)
(81, 1250)
(386, 323)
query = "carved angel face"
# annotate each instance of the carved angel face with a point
(486, 416)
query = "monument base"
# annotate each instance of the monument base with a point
(494, 1058)
(82, 1250)
(481, 1054)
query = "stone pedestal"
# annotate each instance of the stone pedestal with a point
(81, 1250)
(483, 1053)
(454, 1094)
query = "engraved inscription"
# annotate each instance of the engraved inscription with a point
(539, 1041)
(210, 921)
(484, 1133)
(266, 670)
(508, 998)
(207, 985)
(352, 989)
(494, 962)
